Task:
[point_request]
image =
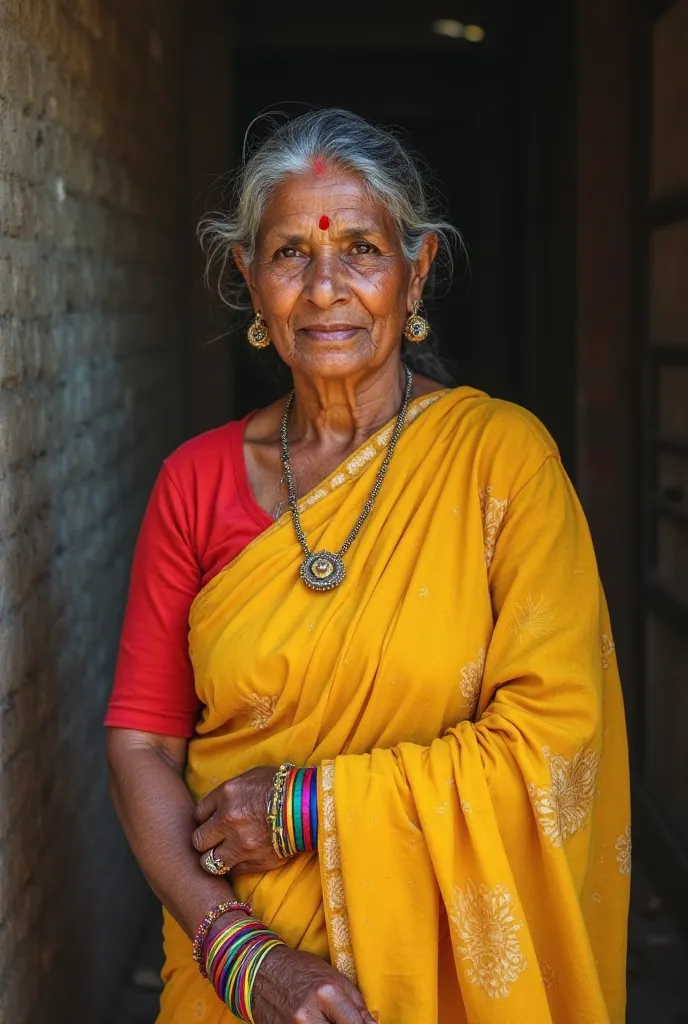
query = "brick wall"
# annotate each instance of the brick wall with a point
(90, 338)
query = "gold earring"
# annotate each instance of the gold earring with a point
(258, 333)
(417, 327)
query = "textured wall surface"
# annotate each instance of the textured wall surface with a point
(90, 337)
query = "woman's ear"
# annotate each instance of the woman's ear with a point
(422, 266)
(245, 271)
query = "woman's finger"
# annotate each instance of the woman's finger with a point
(356, 998)
(207, 835)
(222, 857)
(227, 852)
(339, 1009)
(206, 806)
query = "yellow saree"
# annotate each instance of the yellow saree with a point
(460, 693)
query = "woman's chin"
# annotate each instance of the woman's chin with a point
(328, 359)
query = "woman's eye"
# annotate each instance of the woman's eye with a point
(288, 252)
(362, 249)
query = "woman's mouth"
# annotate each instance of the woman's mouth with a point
(331, 332)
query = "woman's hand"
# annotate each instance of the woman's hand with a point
(292, 987)
(233, 818)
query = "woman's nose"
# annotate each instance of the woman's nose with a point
(325, 281)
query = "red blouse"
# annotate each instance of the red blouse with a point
(200, 515)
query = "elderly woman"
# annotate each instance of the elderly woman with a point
(367, 737)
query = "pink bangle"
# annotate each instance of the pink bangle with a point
(207, 923)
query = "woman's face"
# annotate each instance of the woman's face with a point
(329, 276)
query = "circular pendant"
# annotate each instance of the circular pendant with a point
(322, 571)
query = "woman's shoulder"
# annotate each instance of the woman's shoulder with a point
(205, 455)
(506, 423)
(505, 442)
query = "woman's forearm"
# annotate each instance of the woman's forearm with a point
(156, 811)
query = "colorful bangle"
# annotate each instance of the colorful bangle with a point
(233, 961)
(297, 812)
(275, 811)
(310, 819)
(288, 820)
(207, 923)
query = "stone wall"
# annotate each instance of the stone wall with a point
(91, 218)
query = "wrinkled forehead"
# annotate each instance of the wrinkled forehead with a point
(342, 198)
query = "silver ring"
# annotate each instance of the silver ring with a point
(214, 865)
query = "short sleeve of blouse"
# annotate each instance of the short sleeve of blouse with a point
(154, 686)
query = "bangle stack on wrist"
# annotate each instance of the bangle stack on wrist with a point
(293, 811)
(198, 951)
(231, 960)
(300, 810)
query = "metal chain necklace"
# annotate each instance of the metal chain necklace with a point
(324, 570)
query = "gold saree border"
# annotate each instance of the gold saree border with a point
(351, 468)
(334, 900)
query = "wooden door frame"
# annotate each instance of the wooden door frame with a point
(604, 354)
(548, 278)
(663, 855)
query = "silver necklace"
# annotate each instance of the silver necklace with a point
(324, 570)
(281, 503)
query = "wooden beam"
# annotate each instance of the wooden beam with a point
(605, 432)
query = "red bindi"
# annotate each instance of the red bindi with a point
(324, 222)
(319, 165)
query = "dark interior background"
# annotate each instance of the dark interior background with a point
(470, 109)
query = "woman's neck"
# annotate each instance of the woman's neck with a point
(345, 410)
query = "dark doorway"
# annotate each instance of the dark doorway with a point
(462, 108)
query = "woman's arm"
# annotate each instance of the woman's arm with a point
(156, 811)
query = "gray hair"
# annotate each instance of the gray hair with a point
(394, 177)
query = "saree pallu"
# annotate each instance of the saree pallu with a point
(459, 692)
